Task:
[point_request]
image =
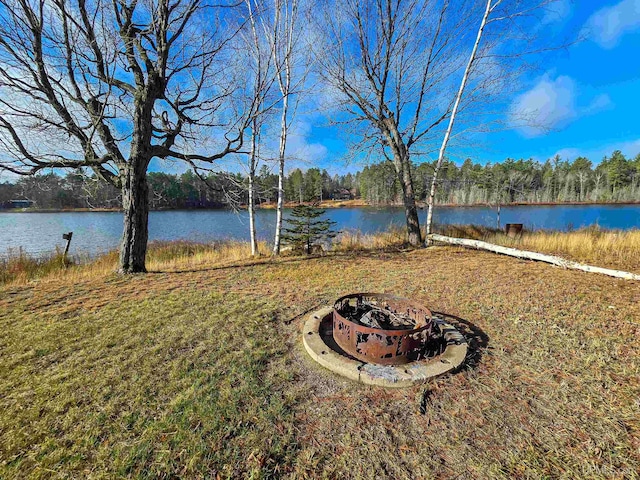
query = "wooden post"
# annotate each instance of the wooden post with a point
(67, 237)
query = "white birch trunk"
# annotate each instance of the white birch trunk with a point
(452, 118)
(281, 161)
(285, 90)
(527, 255)
(252, 177)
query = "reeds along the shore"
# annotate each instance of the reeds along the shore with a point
(17, 265)
(593, 245)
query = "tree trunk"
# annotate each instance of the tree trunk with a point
(252, 178)
(403, 169)
(281, 160)
(410, 210)
(279, 210)
(252, 216)
(581, 188)
(430, 204)
(452, 118)
(135, 202)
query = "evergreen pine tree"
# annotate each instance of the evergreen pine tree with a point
(304, 228)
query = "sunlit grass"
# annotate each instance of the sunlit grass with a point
(599, 247)
(18, 266)
(200, 372)
(593, 245)
(182, 254)
(356, 241)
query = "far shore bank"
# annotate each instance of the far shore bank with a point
(356, 203)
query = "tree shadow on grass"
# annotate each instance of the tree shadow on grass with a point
(477, 339)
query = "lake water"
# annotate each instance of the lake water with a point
(96, 232)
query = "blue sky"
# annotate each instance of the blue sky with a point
(590, 94)
(587, 94)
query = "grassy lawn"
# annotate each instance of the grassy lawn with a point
(197, 371)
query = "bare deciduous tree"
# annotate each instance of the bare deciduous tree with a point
(396, 65)
(111, 85)
(262, 78)
(391, 61)
(291, 66)
(456, 104)
(508, 20)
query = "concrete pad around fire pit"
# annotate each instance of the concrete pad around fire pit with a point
(320, 345)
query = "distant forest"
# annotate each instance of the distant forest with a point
(614, 179)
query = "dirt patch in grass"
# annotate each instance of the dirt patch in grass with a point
(199, 372)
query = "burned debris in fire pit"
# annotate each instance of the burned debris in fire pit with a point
(384, 329)
(377, 314)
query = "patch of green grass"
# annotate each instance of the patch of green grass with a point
(171, 386)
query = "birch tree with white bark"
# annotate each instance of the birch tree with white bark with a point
(389, 63)
(260, 51)
(506, 20)
(291, 63)
(395, 67)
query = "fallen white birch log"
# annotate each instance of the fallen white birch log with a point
(514, 252)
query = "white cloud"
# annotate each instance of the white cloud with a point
(598, 104)
(301, 148)
(552, 104)
(608, 24)
(567, 153)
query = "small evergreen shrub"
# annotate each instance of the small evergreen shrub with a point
(305, 228)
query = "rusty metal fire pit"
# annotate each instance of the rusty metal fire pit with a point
(402, 331)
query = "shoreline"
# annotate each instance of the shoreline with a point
(328, 204)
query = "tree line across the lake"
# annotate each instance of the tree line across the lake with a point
(615, 179)
(112, 87)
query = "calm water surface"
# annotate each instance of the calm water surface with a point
(96, 232)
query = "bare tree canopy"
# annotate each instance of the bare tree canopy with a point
(112, 85)
(108, 86)
(395, 67)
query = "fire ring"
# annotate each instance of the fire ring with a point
(443, 348)
(410, 327)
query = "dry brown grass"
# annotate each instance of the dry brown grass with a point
(22, 268)
(605, 248)
(199, 373)
(598, 247)
(181, 255)
(355, 241)
(19, 267)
